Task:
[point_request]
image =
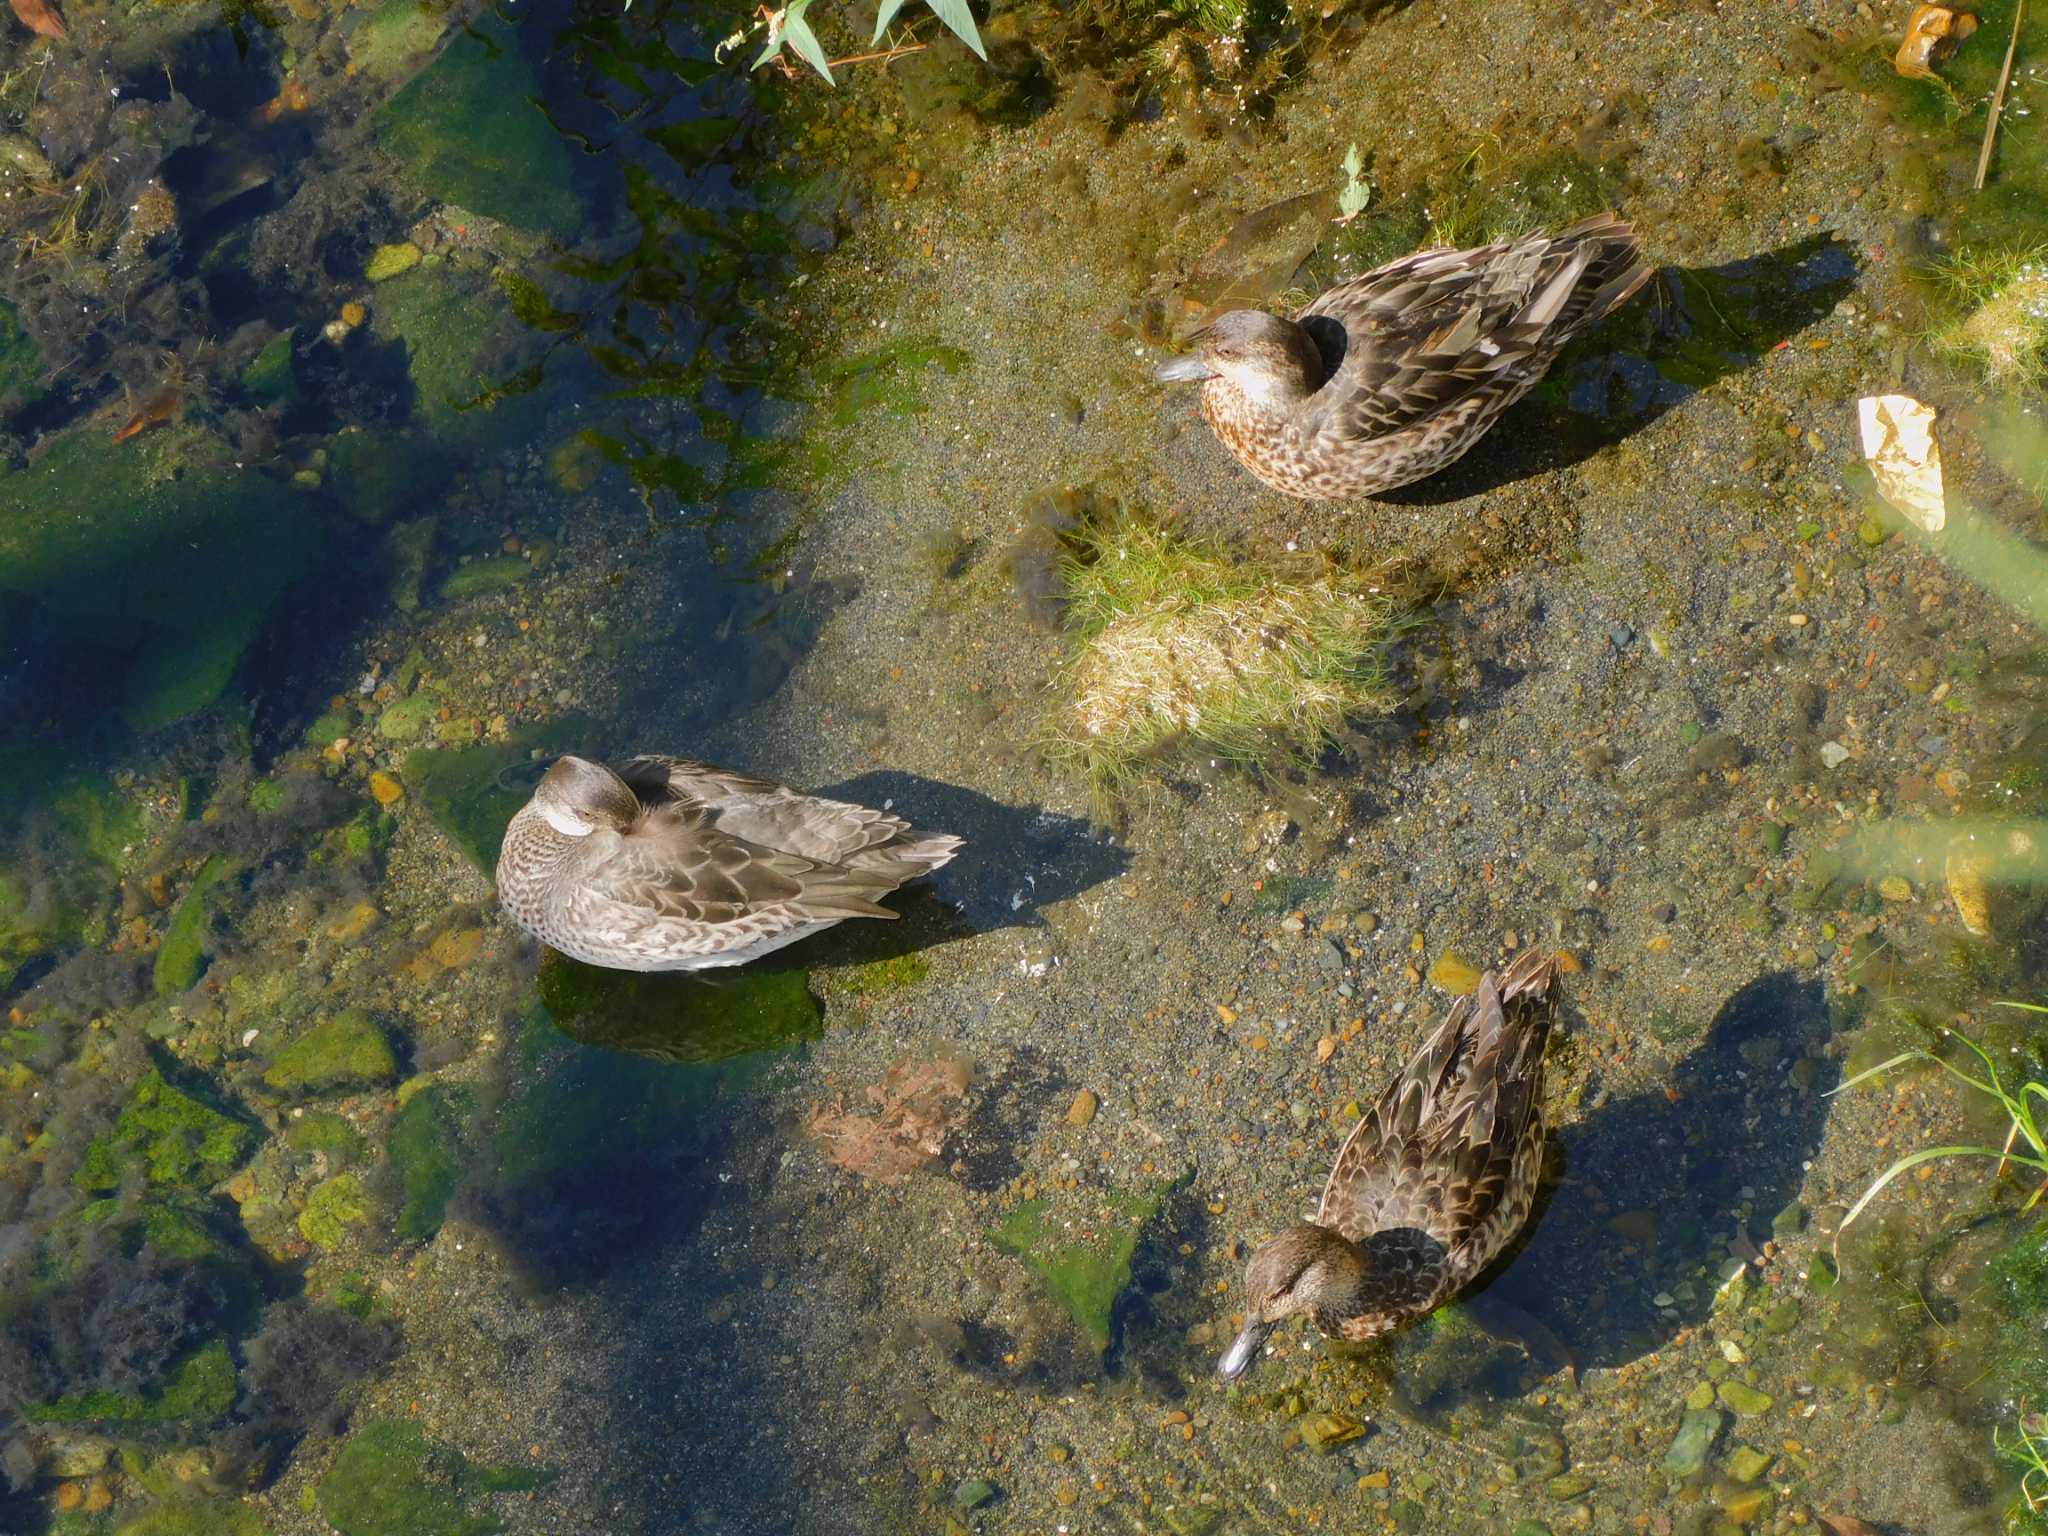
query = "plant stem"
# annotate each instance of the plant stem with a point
(1998, 98)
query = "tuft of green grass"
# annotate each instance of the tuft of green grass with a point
(2001, 325)
(1179, 643)
(2027, 1451)
(2026, 1145)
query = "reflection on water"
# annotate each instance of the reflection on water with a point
(394, 396)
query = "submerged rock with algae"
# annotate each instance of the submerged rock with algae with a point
(1086, 1273)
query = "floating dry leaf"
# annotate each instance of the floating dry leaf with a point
(40, 17)
(1898, 443)
(1932, 32)
(918, 1104)
(157, 410)
(1847, 1525)
(1964, 871)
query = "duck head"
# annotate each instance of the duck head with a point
(1272, 361)
(1305, 1269)
(578, 796)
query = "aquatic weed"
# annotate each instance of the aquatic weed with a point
(2001, 295)
(2025, 1142)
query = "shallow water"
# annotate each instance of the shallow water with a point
(631, 402)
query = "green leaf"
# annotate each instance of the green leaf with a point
(886, 15)
(959, 21)
(803, 40)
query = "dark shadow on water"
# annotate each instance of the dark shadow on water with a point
(1689, 328)
(1018, 858)
(1647, 1196)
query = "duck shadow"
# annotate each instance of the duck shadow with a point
(1646, 1207)
(1018, 859)
(1699, 325)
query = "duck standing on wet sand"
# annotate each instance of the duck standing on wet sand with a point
(673, 865)
(1431, 1185)
(1391, 376)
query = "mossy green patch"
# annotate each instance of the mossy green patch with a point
(889, 378)
(200, 1388)
(473, 792)
(181, 958)
(187, 1514)
(102, 822)
(377, 475)
(163, 556)
(391, 1480)
(332, 1208)
(269, 378)
(405, 719)
(425, 1147)
(29, 927)
(680, 1018)
(469, 131)
(398, 38)
(345, 1051)
(21, 364)
(322, 1130)
(175, 1139)
(444, 321)
(880, 977)
(1085, 1275)
(493, 573)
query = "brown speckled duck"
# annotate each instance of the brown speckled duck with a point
(1391, 376)
(673, 865)
(1431, 1185)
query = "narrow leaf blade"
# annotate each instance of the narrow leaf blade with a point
(886, 15)
(804, 40)
(959, 21)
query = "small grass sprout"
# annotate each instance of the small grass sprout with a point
(1356, 194)
(2026, 1145)
(1179, 643)
(2003, 324)
(2028, 1450)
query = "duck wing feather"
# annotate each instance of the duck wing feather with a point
(1425, 332)
(774, 816)
(1438, 1150)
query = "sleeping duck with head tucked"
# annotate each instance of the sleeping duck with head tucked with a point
(673, 865)
(1431, 1185)
(1391, 376)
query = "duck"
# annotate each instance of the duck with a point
(1429, 1187)
(669, 864)
(1391, 376)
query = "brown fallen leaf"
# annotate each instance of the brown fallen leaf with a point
(40, 17)
(157, 410)
(293, 98)
(1847, 1525)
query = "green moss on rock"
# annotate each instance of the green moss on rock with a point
(494, 573)
(680, 1018)
(29, 928)
(468, 131)
(21, 364)
(378, 475)
(175, 1140)
(1085, 1276)
(181, 958)
(473, 792)
(425, 1148)
(391, 1480)
(185, 1514)
(199, 1389)
(344, 1051)
(332, 1209)
(322, 1130)
(269, 379)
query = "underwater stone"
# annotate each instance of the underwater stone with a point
(1744, 1399)
(1695, 1438)
(1746, 1464)
(467, 131)
(973, 1493)
(1088, 1275)
(345, 1050)
(391, 1480)
(494, 573)
(680, 1018)
(387, 261)
(405, 719)
(377, 475)
(185, 1514)
(1455, 974)
(333, 1207)
(396, 39)
(170, 1135)
(425, 1150)
(268, 379)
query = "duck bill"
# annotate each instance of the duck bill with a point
(1239, 1357)
(1185, 370)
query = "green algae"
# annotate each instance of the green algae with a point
(493, 573)
(198, 1389)
(332, 1208)
(345, 1051)
(405, 719)
(102, 822)
(391, 1480)
(269, 379)
(444, 322)
(186, 1514)
(121, 554)
(376, 476)
(322, 1130)
(471, 792)
(878, 978)
(468, 131)
(21, 364)
(425, 1149)
(889, 378)
(170, 1136)
(398, 38)
(181, 957)
(29, 928)
(680, 1018)
(1087, 1274)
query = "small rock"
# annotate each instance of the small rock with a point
(1082, 1110)
(389, 260)
(1895, 888)
(1455, 974)
(1327, 1431)
(1569, 1486)
(1833, 753)
(1620, 635)
(385, 789)
(1695, 1437)
(1747, 1464)
(1701, 1397)
(1789, 1222)
(973, 1493)
(1744, 1399)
